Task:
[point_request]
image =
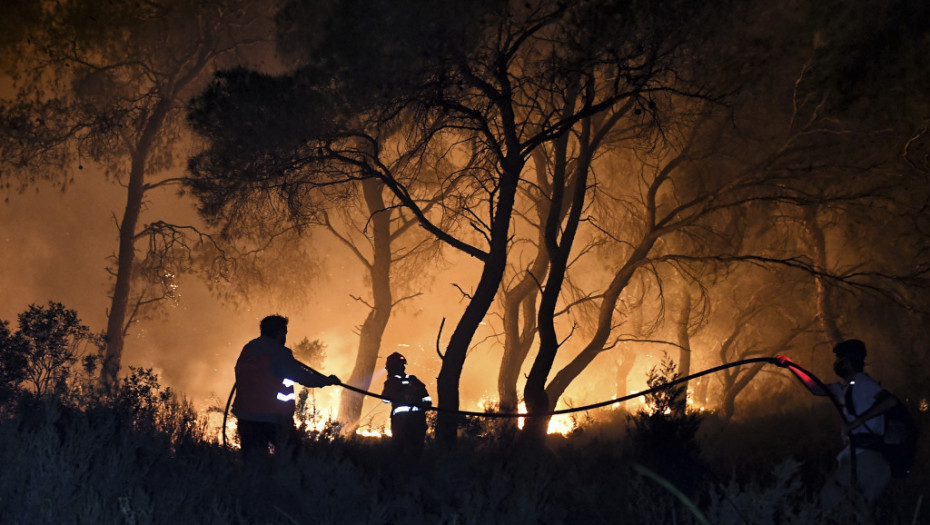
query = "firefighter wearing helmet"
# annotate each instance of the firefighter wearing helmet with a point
(409, 400)
(265, 375)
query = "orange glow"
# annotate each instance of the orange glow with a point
(563, 424)
(370, 432)
(214, 429)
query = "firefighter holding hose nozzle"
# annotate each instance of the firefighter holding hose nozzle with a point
(266, 372)
(862, 469)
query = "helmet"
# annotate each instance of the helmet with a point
(395, 361)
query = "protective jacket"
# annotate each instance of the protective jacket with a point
(408, 394)
(265, 375)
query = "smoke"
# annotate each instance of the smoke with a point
(54, 245)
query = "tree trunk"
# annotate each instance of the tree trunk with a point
(825, 309)
(628, 353)
(735, 384)
(135, 194)
(595, 346)
(450, 372)
(684, 345)
(736, 380)
(372, 330)
(534, 392)
(520, 302)
(624, 366)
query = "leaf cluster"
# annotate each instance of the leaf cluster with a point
(42, 352)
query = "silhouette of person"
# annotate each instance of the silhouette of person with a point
(265, 375)
(860, 465)
(409, 398)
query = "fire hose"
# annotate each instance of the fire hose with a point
(803, 375)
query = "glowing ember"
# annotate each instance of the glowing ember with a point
(695, 407)
(372, 432)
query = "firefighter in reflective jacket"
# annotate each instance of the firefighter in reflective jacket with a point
(409, 399)
(265, 375)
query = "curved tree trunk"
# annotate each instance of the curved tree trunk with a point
(611, 295)
(736, 380)
(534, 392)
(598, 341)
(372, 330)
(492, 274)
(628, 355)
(734, 384)
(520, 303)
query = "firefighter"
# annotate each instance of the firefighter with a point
(864, 405)
(409, 400)
(265, 375)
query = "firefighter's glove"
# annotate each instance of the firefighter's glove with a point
(333, 380)
(783, 361)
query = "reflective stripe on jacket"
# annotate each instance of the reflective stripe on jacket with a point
(406, 393)
(266, 372)
(261, 395)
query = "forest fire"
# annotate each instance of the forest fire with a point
(558, 424)
(313, 418)
(529, 199)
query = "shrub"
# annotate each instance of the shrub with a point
(13, 361)
(664, 438)
(39, 357)
(782, 500)
(139, 457)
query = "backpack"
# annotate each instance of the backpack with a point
(899, 444)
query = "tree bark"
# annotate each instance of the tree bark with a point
(598, 341)
(519, 305)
